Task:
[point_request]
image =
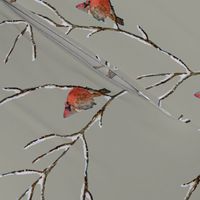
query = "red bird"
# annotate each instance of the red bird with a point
(197, 94)
(81, 99)
(100, 9)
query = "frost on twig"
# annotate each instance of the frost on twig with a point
(192, 185)
(168, 76)
(142, 38)
(64, 147)
(182, 76)
(18, 92)
(28, 28)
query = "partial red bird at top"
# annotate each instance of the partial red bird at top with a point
(100, 9)
(80, 98)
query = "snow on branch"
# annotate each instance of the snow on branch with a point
(143, 38)
(182, 76)
(192, 185)
(28, 28)
(74, 137)
(18, 92)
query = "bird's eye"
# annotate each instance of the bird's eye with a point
(84, 5)
(67, 107)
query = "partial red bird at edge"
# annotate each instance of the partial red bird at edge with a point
(197, 94)
(100, 9)
(80, 98)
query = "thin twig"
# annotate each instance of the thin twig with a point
(74, 137)
(192, 185)
(28, 28)
(182, 76)
(143, 38)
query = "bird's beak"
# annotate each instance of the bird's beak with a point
(66, 113)
(69, 110)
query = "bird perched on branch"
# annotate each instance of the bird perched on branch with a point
(81, 99)
(100, 9)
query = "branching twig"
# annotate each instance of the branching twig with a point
(168, 77)
(74, 137)
(28, 28)
(192, 186)
(143, 38)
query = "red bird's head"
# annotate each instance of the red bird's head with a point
(68, 111)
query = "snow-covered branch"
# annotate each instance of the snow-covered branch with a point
(192, 185)
(143, 38)
(28, 28)
(74, 137)
(18, 92)
(182, 76)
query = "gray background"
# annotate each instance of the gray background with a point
(140, 153)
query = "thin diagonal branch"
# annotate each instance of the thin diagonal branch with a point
(74, 137)
(182, 76)
(173, 89)
(85, 194)
(64, 146)
(16, 39)
(28, 192)
(165, 80)
(28, 28)
(192, 185)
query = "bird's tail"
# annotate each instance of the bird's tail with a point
(120, 21)
(101, 92)
(117, 19)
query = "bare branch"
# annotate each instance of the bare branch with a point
(29, 192)
(23, 92)
(64, 146)
(74, 137)
(85, 193)
(192, 185)
(28, 28)
(49, 136)
(173, 89)
(182, 76)
(153, 75)
(21, 172)
(143, 38)
(185, 120)
(166, 79)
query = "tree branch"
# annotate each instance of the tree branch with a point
(23, 92)
(74, 137)
(192, 185)
(28, 28)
